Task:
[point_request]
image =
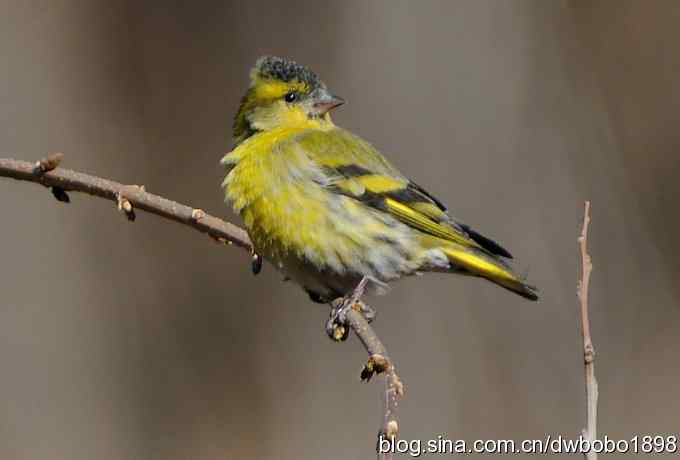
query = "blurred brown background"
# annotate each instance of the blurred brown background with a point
(147, 341)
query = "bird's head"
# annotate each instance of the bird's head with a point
(282, 93)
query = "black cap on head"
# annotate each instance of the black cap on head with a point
(282, 69)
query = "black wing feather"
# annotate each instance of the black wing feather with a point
(487, 243)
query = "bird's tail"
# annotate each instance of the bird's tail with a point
(478, 262)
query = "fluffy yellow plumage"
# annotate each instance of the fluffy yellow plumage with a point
(326, 208)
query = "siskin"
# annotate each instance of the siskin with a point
(327, 209)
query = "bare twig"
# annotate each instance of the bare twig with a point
(125, 196)
(379, 362)
(590, 432)
(128, 197)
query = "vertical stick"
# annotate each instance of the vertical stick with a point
(590, 432)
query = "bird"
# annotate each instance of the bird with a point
(327, 209)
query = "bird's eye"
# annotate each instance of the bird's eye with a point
(291, 97)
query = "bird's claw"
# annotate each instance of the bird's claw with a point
(368, 312)
(336, 330)
(337, 326)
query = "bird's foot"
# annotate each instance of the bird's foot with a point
(337, 326)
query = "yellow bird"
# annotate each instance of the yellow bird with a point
(327, 209)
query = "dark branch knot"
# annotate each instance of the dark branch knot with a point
(125, 206)
(256, 262)
(376, 364)
(60, 194)
(47, 164)
(588, 353)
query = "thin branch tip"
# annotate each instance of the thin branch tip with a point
(392, 429)
(590, 432)
(61, 181)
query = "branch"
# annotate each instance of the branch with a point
(128, 197)
(590, 432)
(379, 362)
(65, 180)
(351, 312)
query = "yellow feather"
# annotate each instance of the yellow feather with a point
(378, 183)
(477, 263)
(430, 210)
(419, 221)
(271, 89)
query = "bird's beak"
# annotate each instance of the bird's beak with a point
(323, 101)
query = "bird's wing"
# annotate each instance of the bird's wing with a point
(354, 168)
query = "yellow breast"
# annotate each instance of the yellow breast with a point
(272, 185)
